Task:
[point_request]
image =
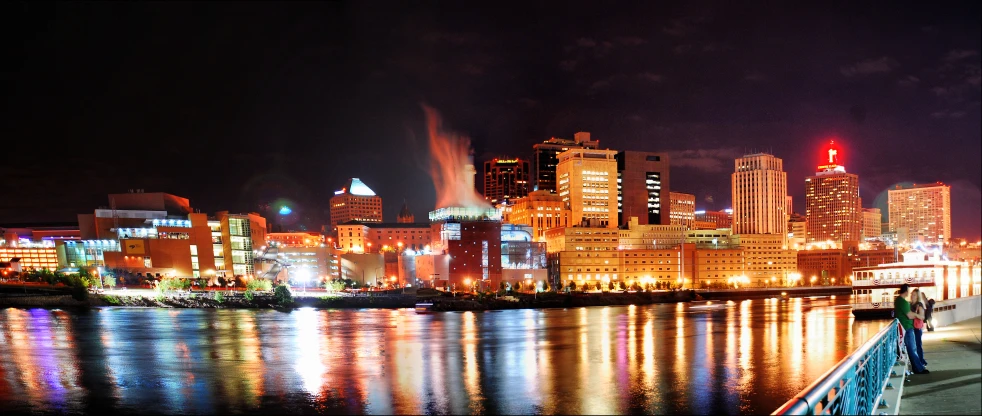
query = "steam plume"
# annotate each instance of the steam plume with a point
(451, 166)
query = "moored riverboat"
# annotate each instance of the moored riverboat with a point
(874, 288)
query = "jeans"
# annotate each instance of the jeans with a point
(920, 346)
(911, 344)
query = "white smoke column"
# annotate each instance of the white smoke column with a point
(451, 166)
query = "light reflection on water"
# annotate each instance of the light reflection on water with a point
(743, 357)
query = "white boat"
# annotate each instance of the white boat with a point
(874, 288)
(424, 307)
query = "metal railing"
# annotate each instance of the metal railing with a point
(855, 385)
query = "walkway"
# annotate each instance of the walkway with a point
(954, 356)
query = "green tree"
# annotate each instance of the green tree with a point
(283, 295)
(259, 285)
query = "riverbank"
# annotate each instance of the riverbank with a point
(461, 302)
(441, 303)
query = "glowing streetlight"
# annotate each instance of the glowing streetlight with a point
(303, 275)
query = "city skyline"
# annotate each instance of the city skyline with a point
(271, 126)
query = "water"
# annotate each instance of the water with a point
(741, 357)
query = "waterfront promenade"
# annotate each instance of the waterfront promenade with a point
(954, 356)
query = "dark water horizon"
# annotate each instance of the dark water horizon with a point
(733, 357)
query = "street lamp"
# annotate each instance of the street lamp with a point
(303, 275)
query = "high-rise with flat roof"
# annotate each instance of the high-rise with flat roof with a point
(643, 187)
(832, 203)
(546, 158)
(920, 213)
(587, 181)
(760, 195)
(505, 179)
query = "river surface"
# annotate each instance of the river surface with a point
(730, 357)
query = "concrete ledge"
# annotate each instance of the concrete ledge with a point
(893, 392)
(951, 311)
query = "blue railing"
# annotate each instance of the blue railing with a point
(855, 385)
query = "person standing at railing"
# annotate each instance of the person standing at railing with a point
(901, 309)
(919, 300)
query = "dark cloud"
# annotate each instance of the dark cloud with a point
(870, 66)
(307, 94)
(706, 160)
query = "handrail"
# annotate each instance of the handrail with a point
(855, 384)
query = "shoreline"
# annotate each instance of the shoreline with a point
(206, 300)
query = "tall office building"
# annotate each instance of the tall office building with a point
(355, 202)
(920, 213)
(872, 223)
(643, 187)
(546, 158)
(683, 209)
(832, 203)
(587, 181)
(760, 195)
(505, 179)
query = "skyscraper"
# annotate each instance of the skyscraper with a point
(832, 203)
(643, 187)
(920, 213)
(546, 158)
(505, 178)
(355, 202)
(587, 181)
(760, 191)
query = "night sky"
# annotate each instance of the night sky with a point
(238, 105)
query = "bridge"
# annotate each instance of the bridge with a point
(873, 380)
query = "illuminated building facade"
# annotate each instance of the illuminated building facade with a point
(920, 213)
(31, 256)
(131, 210)
(587, 181)
(760, 195)
(872, 223)
(643, 187)
(475, 254)
(767, 256)
(682, 209)
(546, 158)
(355, 202)
(637, 236)
(358, 237)
(307, 255)
(832, 203)
(797, 231)
(540, 210)
(703, 267)
(505, 179)
(720, 219)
